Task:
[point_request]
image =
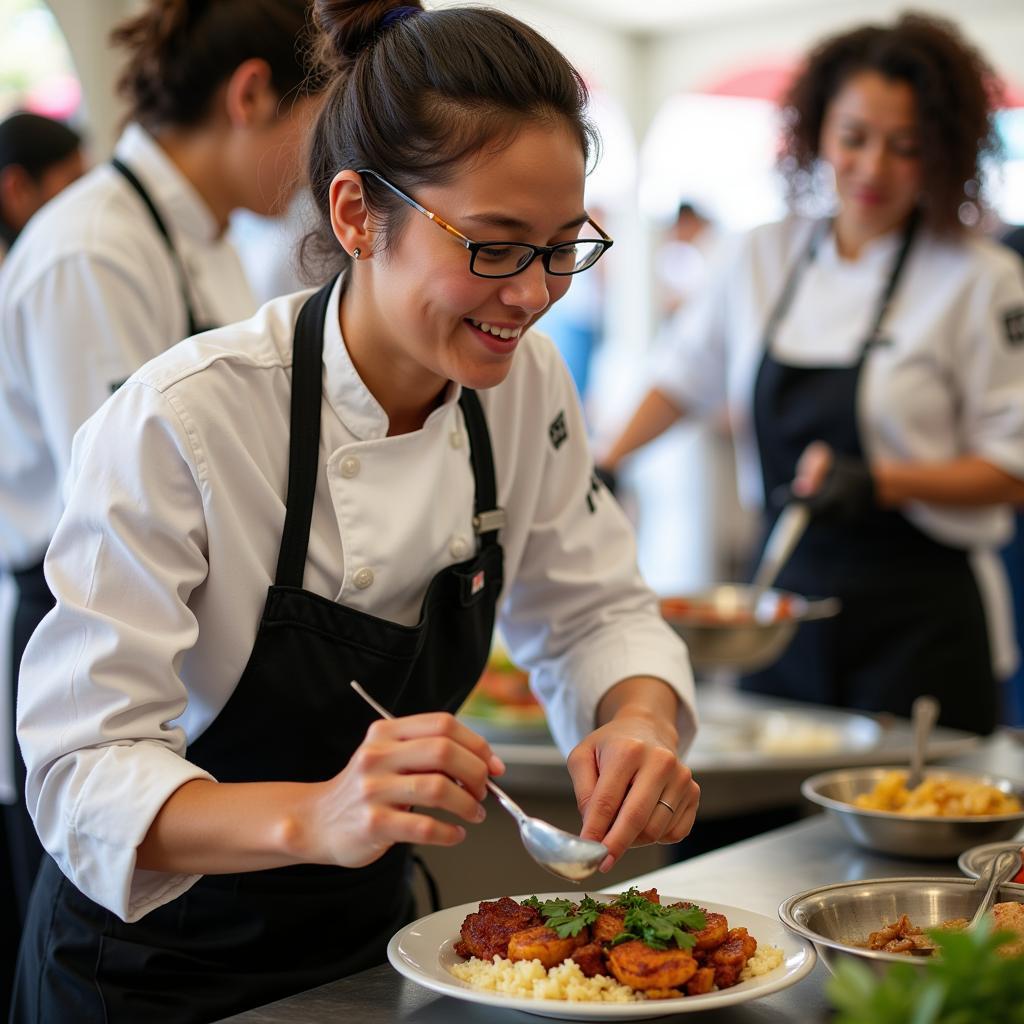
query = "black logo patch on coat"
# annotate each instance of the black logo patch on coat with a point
(595, 487)
(115, 385)
(1014, 322)
(558, 432)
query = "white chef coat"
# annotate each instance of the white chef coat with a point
(88, 293)
(162, 560)
(950, 384)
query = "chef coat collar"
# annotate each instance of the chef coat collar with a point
(361, 413)
(879, 252)
(175, 196)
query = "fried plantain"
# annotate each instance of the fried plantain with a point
(635, 963)
(542, 943)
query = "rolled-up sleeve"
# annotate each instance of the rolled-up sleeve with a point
(577, 614)
(99, 689)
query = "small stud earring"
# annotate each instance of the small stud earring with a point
(356, 253)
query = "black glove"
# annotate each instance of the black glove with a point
(608, 477)
(846, 495)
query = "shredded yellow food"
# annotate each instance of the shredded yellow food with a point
(937, 798)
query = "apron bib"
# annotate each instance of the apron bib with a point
(912, 621)
(237, 941)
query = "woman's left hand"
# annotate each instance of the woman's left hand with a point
(626, 772)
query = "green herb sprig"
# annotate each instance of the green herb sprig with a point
(965, 982)
(563, 916)
(655, 925)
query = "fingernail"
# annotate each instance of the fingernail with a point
(607, 864)
(480, 813)
(496, 765)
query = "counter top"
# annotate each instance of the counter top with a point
(757, 874)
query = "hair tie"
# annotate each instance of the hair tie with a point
(398, 14)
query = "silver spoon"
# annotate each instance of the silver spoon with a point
(924, 713)
(999, 870)
(785, 535)
(563, 854)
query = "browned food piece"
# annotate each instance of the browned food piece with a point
(663, 993)
(634, 963)
(714, 933)
(903, 936)
(1009, 917)
(702, 982)
(590, 959)
(608, 924)
(485, 934)
(731, 956)
(609, 921)
(542, 943)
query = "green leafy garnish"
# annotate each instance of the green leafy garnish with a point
(563, 916)
(655, 925)
(965, 982)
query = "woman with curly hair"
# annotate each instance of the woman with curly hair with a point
(873, 363)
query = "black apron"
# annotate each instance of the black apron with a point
(912, 620)
(237, 941)
(35, 600)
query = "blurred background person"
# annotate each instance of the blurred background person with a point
(38, 158)
(133, 258)
(683, 257)
(873, 362)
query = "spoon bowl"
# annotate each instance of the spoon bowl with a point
(563, 854)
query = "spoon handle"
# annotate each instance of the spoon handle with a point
(999, 871)
(503, 798)
(924, 714)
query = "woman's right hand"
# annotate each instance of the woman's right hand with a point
(424, 761)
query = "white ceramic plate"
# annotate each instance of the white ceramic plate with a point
(973, 862)
(423, 951)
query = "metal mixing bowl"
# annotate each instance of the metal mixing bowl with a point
(742, 639)
(907, 835)
(837, 918)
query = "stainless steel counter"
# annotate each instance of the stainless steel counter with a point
(756, 874)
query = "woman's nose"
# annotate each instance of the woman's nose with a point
(529, 289)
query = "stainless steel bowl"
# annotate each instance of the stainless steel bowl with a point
(973, 862)
(907, 835)
(747, 644)
(838, 918)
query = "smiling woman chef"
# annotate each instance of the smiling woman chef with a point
(198, 765)
(877, 358)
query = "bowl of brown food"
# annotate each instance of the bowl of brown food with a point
(946, 814)
(728, 627)
(882, 921)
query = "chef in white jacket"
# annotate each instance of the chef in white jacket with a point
(873, 365)
(356, 483)
(133, 258)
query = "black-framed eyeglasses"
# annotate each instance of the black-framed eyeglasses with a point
(506, 259)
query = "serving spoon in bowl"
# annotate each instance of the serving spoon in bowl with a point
(563, 854)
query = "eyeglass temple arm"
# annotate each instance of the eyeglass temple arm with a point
(422, 209)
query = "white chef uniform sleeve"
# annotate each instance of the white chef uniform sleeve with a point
(99, 688)
(689, 362)
(990, 366)
(578, 614)
(81, 320)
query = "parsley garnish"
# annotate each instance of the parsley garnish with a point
(565, 918)
(657, 926)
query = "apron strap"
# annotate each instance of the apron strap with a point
(129, 175)
(488, 518)
(304, 440)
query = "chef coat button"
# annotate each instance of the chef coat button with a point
(456, 438)
(363, 578)
(349, 466)
(459, 548)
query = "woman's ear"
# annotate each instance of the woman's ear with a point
(250, 99)
(350, 218)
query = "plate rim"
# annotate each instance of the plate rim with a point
(961, 861)
(607, 1011)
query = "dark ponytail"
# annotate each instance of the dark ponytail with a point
(416, 92)
(180, 51)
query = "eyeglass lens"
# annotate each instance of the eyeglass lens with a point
(570, 258)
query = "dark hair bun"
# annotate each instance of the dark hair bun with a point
(350, 26)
